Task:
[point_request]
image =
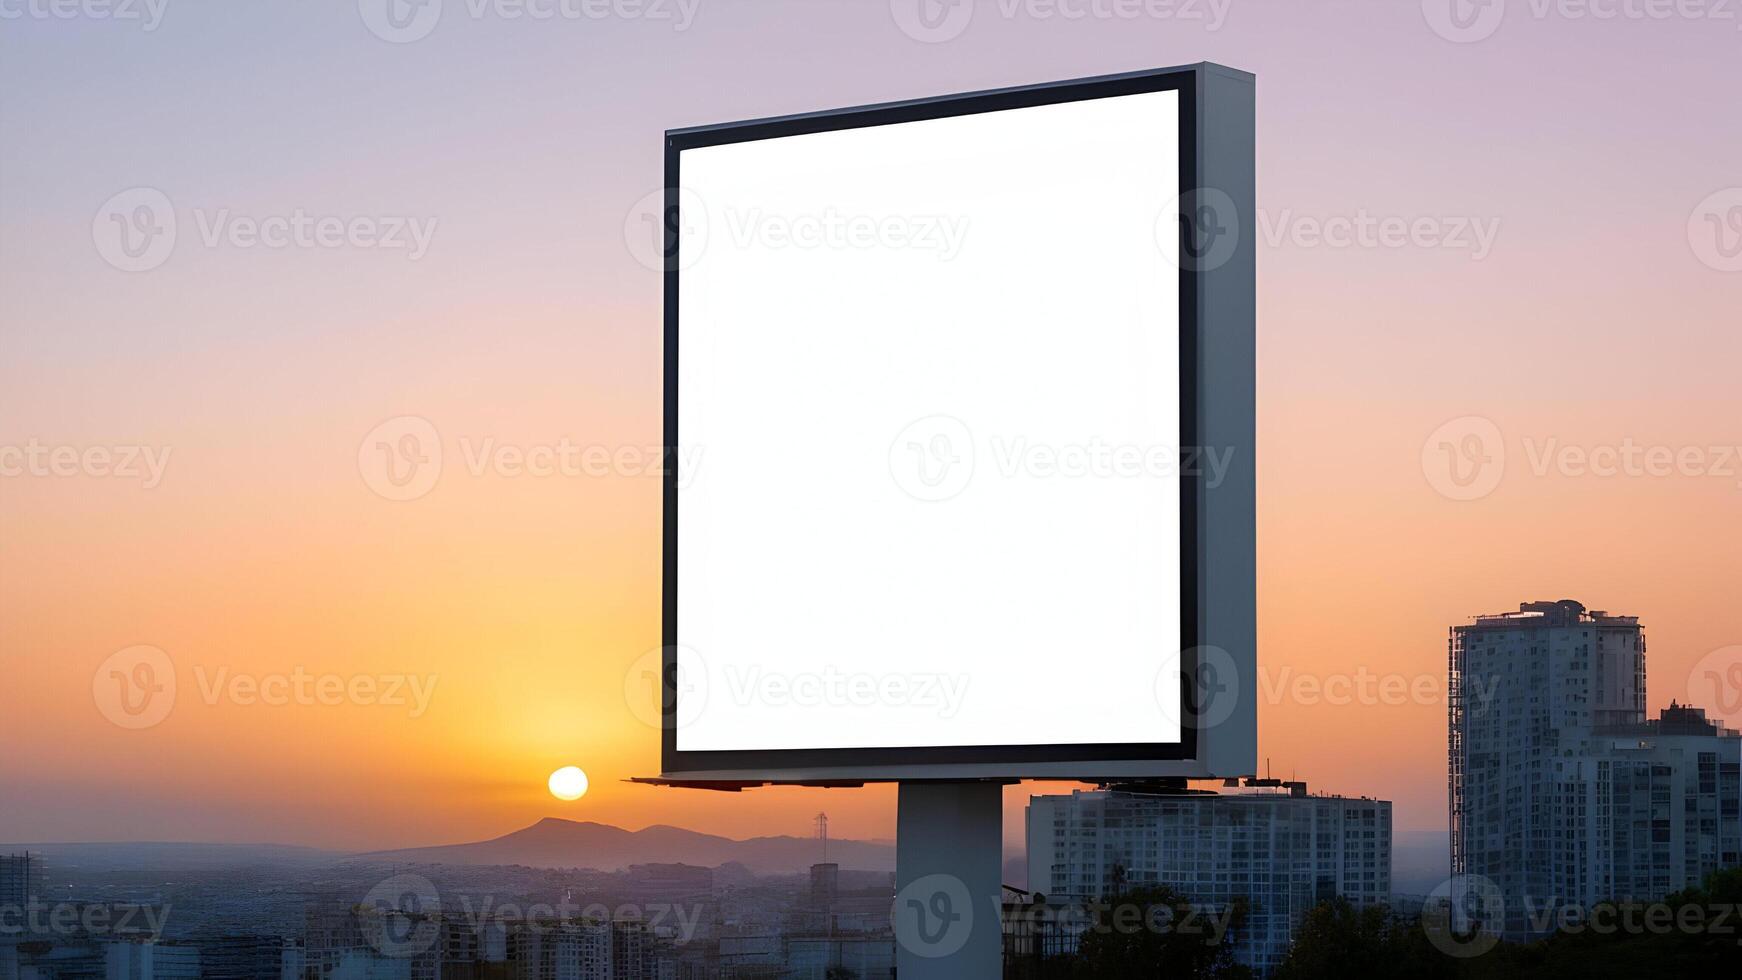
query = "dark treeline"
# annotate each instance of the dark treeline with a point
(1697, 932)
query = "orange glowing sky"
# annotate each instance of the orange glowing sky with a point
(1591, 321)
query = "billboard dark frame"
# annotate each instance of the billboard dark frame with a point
(873, 764)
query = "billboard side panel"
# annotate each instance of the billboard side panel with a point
(1227, 332)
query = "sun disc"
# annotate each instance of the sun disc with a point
(568, 783)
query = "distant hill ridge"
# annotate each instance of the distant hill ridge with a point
(557, 843)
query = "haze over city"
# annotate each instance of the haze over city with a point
(500, 615)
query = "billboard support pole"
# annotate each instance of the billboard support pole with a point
(949, 855)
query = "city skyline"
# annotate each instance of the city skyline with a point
(253, 542)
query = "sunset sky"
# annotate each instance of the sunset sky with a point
(1589, 152)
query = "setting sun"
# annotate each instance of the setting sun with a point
(568, 783)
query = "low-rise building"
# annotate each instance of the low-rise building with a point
(1274, 846)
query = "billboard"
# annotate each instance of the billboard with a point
(958, 409)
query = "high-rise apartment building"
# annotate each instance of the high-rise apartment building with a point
(1275, 846)
(633, 952)
(20, 880)
(1561, 792)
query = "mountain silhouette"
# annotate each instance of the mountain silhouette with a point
(555, 843)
